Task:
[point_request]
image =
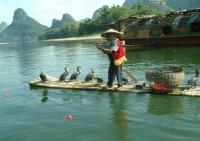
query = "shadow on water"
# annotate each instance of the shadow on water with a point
(120, 116)
(165, 105)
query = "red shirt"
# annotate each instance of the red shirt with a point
(119, 56)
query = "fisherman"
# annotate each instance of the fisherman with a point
(116, 52)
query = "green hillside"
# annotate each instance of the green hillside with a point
(22, 28)
(160, 4)
(66, 20)
(183, 4)
(101, 18)
(3, 26)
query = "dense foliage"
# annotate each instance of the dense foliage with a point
(98, 22)
(67, 31)
(66, 19)
(183, 4)
(163, 4)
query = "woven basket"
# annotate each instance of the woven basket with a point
(169, 75)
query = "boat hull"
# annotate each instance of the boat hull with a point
(166, 41)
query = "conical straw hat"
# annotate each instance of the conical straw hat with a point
(112, 31)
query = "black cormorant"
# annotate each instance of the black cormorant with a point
(125, 80)
(98, 79)
(64, 75)
(43, 77)
(90, 76)
(75, 74)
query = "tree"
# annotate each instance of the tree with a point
(101, 17)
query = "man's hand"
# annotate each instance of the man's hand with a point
(106, 51)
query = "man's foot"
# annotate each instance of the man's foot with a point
(119, 86)
(109, 86)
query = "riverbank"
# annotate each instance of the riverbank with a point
(3, 43)
(90, 37)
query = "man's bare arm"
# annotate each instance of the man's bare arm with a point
(106, 51)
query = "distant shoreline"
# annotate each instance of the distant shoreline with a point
(90, 37)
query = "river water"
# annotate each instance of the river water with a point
(39, 114)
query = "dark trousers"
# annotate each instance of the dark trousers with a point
(112, 72)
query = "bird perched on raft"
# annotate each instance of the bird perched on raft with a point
(64, 75)
(125, 80)
(192, 82)
(43, 77)
(90, 76)
(98, 79)
(76, 73)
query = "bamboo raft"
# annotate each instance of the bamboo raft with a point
(82, 85)
(132, 88)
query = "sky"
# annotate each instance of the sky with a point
(45, 10)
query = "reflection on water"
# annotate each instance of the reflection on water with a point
(120, 116)
(165, 105)
(94, 112)
(44, 95)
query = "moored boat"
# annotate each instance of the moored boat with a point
(180, 28)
